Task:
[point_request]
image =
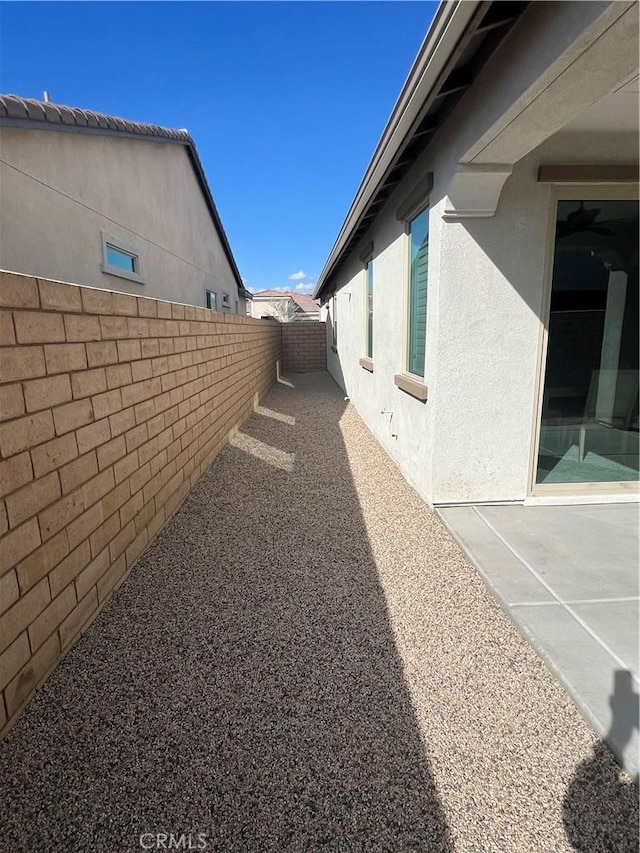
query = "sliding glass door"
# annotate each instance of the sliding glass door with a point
(589, 422)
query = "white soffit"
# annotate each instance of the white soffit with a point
(616, 112)
(588, 69)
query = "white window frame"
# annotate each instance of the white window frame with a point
(587, 191)
(366, 258)
(334, 323)
(410, 216)
(112, 242)
(368, 337)
(215, 299)
(226, 300)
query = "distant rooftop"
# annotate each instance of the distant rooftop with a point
(303, 300)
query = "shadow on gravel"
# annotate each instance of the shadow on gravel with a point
(244, 683)
(600, 808)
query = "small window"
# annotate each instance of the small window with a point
(120, 259)
(212, 300)
(237, 307)
(417, 314)
(369, 309)
(226, 300)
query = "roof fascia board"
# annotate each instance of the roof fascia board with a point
(213, 210)
(450, 22)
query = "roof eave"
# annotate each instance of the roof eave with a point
(199, 170)
(449, 24)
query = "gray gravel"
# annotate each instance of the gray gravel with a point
(303, 660)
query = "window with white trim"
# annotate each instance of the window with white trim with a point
(417, 302)
(212, 300)
(335, 321)
(120, 259)
(369, 309)
(226, 300)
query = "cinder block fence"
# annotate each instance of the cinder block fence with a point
(111, 408)
(304, 346)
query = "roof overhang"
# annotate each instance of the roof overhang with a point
(462, 36)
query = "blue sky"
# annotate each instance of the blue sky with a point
(286, 101)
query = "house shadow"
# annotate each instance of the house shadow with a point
(244, 683)
(600, 808)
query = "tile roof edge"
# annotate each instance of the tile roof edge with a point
(32, 110)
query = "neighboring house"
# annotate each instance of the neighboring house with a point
(285, 305)
(116, 204)
(482, 294)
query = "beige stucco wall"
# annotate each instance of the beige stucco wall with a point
(472, 439)
(59, 190)
(264, 308)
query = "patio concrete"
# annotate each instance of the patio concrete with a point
(568, 577)
(303, 660)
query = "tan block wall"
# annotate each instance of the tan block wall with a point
(304, 346)
(111, 408)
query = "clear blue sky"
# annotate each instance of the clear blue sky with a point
(286, 101)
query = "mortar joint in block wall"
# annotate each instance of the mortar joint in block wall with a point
(106, 422)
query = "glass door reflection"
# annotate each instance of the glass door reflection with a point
(589, 426)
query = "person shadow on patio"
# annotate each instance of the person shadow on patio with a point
(601, 805)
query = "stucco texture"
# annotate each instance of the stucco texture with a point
(60, 190)
(473, 438)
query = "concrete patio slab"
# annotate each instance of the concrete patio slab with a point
(580, 555)
(494, 559)
(582, 663)
(585, 624)
(624, 516)
(605, 618)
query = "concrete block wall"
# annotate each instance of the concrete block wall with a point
(111, 408)
(304, 346)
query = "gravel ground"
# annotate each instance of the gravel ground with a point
(304, 661)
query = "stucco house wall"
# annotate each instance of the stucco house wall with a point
(61, 189)
(282, 310)
(284, 306)
(472, 439)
